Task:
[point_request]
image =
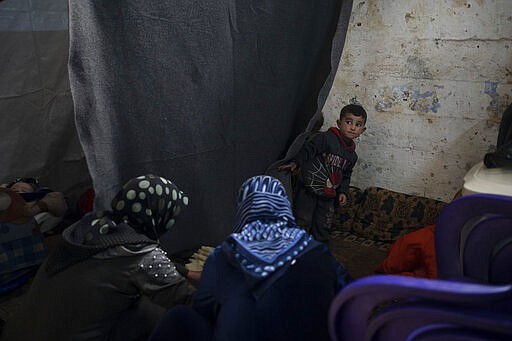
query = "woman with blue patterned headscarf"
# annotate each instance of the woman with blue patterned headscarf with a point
(269, 280)
(108, 278)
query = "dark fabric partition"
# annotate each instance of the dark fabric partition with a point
(37, 126)
(206, 93)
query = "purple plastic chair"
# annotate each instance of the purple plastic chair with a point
(473, 239)
(395, 308)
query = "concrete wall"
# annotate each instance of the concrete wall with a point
(435, 78)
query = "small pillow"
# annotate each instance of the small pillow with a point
(17, 210)
(412, 255)
(196, 262)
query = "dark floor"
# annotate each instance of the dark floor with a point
(10, 301)
(358, 259)
(359, 264)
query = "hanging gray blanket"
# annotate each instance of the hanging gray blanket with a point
(206, 93)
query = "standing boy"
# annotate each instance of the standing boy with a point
(326, 164)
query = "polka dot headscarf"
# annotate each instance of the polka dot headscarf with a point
(149, 204)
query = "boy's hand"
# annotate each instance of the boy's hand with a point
(55, 203)
(194, 277)
(288, 166)
(342, 199)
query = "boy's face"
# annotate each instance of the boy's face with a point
(351, 126)
(22, 187)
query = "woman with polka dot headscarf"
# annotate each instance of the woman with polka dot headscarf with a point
(269, 280)
(108, 279)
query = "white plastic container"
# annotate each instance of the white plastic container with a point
(481, 179)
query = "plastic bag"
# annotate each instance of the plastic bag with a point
(502, 157)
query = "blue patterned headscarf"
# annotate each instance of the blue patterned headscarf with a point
(265, 236)
(262, 198)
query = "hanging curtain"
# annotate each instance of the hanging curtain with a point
(206, 93)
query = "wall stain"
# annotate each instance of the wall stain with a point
(424, 102)
(354, 100)
(409, 16)
(490, 88)
(417, 68)
(381, 106)
(348, 59)
(464, 3)
(401, 93)
(374, 15)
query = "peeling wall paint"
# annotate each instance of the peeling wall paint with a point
(435, 77)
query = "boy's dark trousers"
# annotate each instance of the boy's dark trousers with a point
(313, 213)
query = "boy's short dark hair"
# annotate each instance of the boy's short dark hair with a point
(33, 182)
(355, 110)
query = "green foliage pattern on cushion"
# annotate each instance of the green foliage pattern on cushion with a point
(344, 216)
(383, 215)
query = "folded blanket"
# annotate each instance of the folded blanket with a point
(197, 260)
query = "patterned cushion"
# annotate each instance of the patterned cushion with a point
(355, 239)
(344, 216)
(385, 215)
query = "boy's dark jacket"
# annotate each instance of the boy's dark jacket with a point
(326, 163)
